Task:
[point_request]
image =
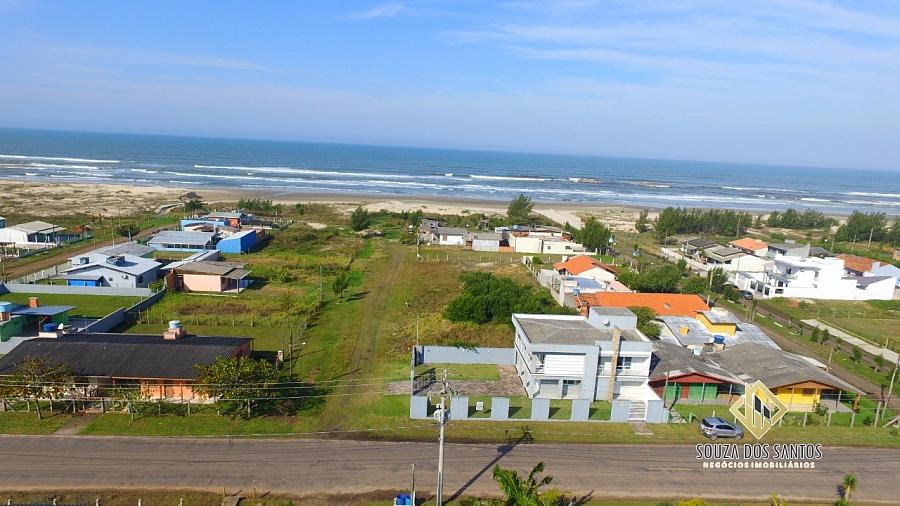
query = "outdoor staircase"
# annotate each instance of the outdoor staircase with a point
(637, 411)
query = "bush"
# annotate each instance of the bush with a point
(359, 219)
(658, 279)
(487, 298)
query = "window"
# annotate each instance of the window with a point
(571, 382)
(140, 279)
(808, 391)
(624, 363)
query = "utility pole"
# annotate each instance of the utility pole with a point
(441, 415)
(871, 231)
(413, 488)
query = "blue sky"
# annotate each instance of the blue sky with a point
(805, 82)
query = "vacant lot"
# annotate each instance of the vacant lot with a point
(875, 321)
(89, 306)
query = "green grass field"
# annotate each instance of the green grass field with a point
(28, 423)
(91, 306)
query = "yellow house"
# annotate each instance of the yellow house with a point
(799, 382)
(719, 321)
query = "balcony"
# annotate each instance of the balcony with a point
(620, 371)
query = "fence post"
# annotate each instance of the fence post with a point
(828, 420)
(852, 418)
(805, 413)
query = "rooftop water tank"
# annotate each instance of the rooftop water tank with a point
(174, 324)
(718, 339)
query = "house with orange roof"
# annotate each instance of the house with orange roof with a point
(586, 267)
(663, 304)
(856, 265)
(751, 246)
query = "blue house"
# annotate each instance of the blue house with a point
(241, 242)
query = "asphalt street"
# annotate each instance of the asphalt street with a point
(305, 466)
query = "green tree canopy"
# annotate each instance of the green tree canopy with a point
(594, 235)
(643, 222)
(359, 219)
(518, 491)
(487, 298)
(238, 382)
(519, 209)
(656, 279)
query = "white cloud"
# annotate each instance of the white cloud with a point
(386, 10)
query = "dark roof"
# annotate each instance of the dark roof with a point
(671, 361)
(864, 281)
(699, 242)
(126, 355)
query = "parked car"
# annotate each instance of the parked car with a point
(714, 427)
(747, 294)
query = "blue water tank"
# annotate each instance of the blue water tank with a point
(719, 339)
(403, 500)
(49, 327)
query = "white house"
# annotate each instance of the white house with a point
(814, 278)
(451, 236)
(572, 357)
(97, 268)
(527, 244)
(586, 267)
(33, 233)
(731, 259)
(560, 246)
(486, 241)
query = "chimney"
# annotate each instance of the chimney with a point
(5, 315)
(683, 330)
(175, 331)
(34, 302)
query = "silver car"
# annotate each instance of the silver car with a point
(714, 427)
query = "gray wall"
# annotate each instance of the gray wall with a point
(108, 322)
(452, 355)
(74, 290)
(620, 408)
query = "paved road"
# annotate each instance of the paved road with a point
(890, 357)
(331, 466)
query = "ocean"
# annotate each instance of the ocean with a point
(290, 167)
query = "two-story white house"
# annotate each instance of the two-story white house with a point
(795, 274)
(599, 357)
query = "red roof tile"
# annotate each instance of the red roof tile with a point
(664, 304)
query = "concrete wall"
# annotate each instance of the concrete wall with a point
(620, 408)
(108, 322)
(452, 355)
(74, 290)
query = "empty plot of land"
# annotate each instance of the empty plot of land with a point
(89, 306)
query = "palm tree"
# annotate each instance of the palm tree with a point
(847, 486)
(518, 491)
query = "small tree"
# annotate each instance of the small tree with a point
(643, 222)
(341, 283)
(359, 219)
(193, 205)
(594, 235)
(132, 396)
(879, 362)
(814, 337)
(237, 382)
(521, 491)
(519, 209)
(682, 265)
(35, 378)
(857, 354)
(826, 336)
(847, 487)
(716, 279)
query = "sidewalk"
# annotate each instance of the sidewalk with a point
(889, 356)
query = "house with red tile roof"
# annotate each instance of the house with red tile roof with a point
(586, 267)
(751, 246)
(856, 265)
(663, 304)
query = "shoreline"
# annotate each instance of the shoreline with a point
(119, 198)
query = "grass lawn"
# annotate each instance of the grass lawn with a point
(28, 423)
(91, 306)
(460, 372)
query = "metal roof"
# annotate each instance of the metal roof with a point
(451, 231)
(127, 248)
(772, 366)
(126, 355)
(185, 238)
(41, 310)
(212, 268)
(225, 214)
(864, 281)
(487, 236)
(570, 331)
(128, 264)
(33, 227)
(671, 360)
(698, 334)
